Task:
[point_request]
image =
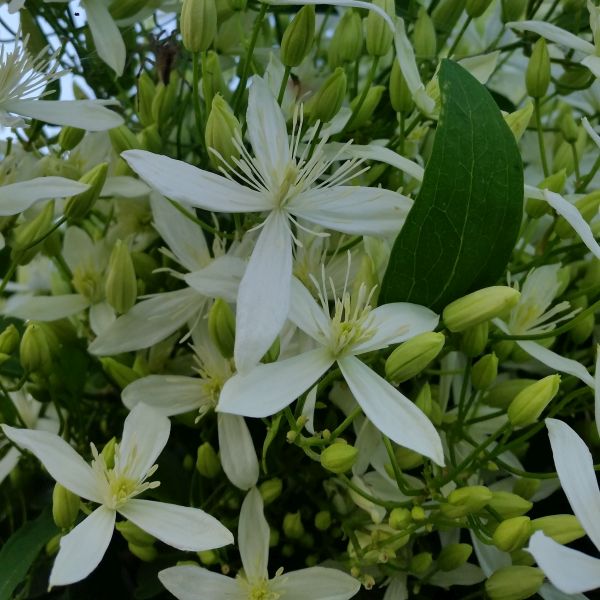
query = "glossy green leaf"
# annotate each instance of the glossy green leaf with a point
(464, 224)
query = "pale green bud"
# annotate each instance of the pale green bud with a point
(512, 534)
(503, 393)
(165, 101)
(27, 236)
(555, 183)
(424, 37)
(207, 461)
(537, 76)
(78, 206)
(37, 348)
(221, 327)
(454, 556)
(574, 77)
(420, 563)
(379, 37)
(563, 529)
(9, 339)
(121, 374)
(270, 490)
(222, 128)
(121, 283)
(53, 545)
(563, 158)
(475, 8)
(428, 405)
(479, 306)
(208, 557)
(514, 583)
(212, 77)
(69, 137)
(407, 459)
(133, 534)
(292, 526)
(198, 24)
(446, 14)
(529, 404)
(150, 138)
(323, 520)
(526, 487)
(400, 96)
(568, 127)
(65, 506)
(484, 372)
(412, 356)
(583, 329)
(474, 339)
(400, 518)
(298, 37)
(328, 100)
(518, 120)
(564, 279)
(123, 139)
(347, 41)
(144, 99)
(466, 500)
(339, 457)
(417, 513)
(509, 505)
(108, 452)
(123, 9)
(367, 108)
(587, 206)
(144, 553)
(512, 10)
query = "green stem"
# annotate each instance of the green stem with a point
(284, 80)
(586, 180)
(540, 133)
(196, 96)
(459, 37)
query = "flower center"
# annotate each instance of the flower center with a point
(259, 590)
(283, 195)
(89, 283)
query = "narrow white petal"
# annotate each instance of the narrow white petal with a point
(186, 582)
(102, 315)
(353, 209)
(592, 62)
(124, 186)
(569, 570)
(82, 549)
(590, 130)
(264, 294)
(397, 322)
(167, 394)
(575, 468)
(237, 452)
(79, 249)
(220, 279)
(181, 181)
(316, 583)
(267, 389)
(597, 389)
(550, 592)
(177, 526)
(59, 459)
(145, 434)
(553, 34)
(556, 361)
(391, 412)
(308, 410)
(306, 313)
(253, 536)
(8, 462)
(47, 308)
(397, 589)
(17, 197)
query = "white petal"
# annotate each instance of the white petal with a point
(264, 294)
(107, 37)
(353, 209)
(575, 468)
(17, 197)
(592, 62)
(47, 308)
(397, 590)
(253, 536)
(149, 322)
(82, 549)
(178, 180)
(590, 130)
(145, 434)
(306, 313)
(177, 526)
(556, 361)
(237, 452)
(550, 592)
(397, 322)
(391, 412)
(308, 410)
(267, 389)
(316, 583)
(186, 581)
(554, 34)
(124, 186)
(597, 389)
(90, 115)
(8, 462)
(59, 459)
(489, 557)
(220, 279)
(102, 316)
(569, 570)
(79, 249)
(167, 394)
(570, 213)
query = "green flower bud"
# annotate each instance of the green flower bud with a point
(270, 490)
(298, 37)
(69, 137)
(274, 537)
(122, 139)
(26, 237)
(323, 520)
(583, 329)
(133, 534)
(198, 24)
(221, 327)
(328, 100)
(518, 120)
(512, 10)
(529, 404)
(78, 206)
(568, 127)
(37, 348)
(150, 138)
(367, 108)
(574, 77)
(587, 206)
(512, 534)
(474, 339)
(428, 405)
(212, 77)
(53, 545)
(144, 553)
(563, 158)
(65, 506)
(475, 8)
(514, 583)
(446, 15)
(509, 505)
(466, 500)
(121, 374)
(454, 556)
(9, 339)
(537, 76)
(222, 128)
(555, 183)
(144, 99)
(123, 9)
(400, 96)
(503, 393)
(407, 459)
(108, 452)
(424, 38)
(379, 37)
(207, 461)
(292, 526)
(339, 457)
(121, 283)
(347, 41)
(412, 356)
(420, 563)
(479, 306)
(400, 518)
(208, 557)
(526, 487)
(563, 529)
(484, 372)
(164, 103)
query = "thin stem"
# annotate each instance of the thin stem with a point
(196, 96)
(538, 120)
(284, 80)
(586, 180)
(459, 37)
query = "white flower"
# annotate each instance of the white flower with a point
(314, 583)
(115, 488)
(354, 329)
(23, 80)
(289, 185)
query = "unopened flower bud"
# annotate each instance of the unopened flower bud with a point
(222, 128)
(446, 15)
(133, 534)
(367, 108)
(417, 513)
(69, 137)
(407, 459)
(144, 99)
(420, 563)
(208, 557)
(526, 487)
(328, 100)
(518, 120)
(474, 339)
(165, 101)
(563, 529)
(65, 506)
(428, 405)
(270, 490)
(323, 520)
(537, 76)
(9, 340)
(207, 461)
(121, 283)
(198, 24)
(424, 36)
(379, 37)
(221, 327)
(37, 348)
(574, 77)
(123, 139)
(144, 553)
(51, 548)
(339, 457)
(400, 96)
(588, 208)
(584, 328)
(292, 526)
(479, 306)
(512, 534)
(454, 556)
(121, 374)
(555, 183)
(150, 138)
(503, 393)
(28, 235)
(412, 356)
(484, 372)
(475, 8)
(509, 505)
(298, 37)
(529, 404)
(466, 500)
(514, 583)
(347, 41)
(212, 77)
(78, 206)
(512, 10)
(568, 127)
(400, 518)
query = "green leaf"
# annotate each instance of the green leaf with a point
(21, 549)
(460, 233)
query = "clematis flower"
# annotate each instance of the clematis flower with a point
(314, 583)
(288, 184)
(115, 488)
(354, 329)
